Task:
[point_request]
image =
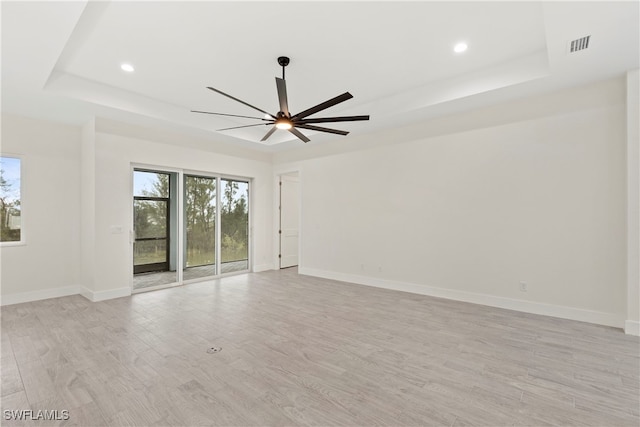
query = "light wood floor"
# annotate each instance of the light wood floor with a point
(298, 350)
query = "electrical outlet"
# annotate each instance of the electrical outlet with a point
(523, 286)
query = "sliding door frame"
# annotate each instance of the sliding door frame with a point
(180, 230)
(175, 242)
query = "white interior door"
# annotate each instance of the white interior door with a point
(289, 208)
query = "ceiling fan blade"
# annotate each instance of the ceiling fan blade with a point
(330, 103)
(299, 134)
(282, 96)
(321, 129)
(331, 119)
(230, 115)
(271, 131)
(240, 101)
(246, 126)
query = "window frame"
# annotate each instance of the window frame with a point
(168, 238)
(23, 204)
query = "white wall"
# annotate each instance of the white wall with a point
(469, 215)
(87, 205)
(632, 325)
(48, 264)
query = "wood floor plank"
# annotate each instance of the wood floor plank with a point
(37, 383)
(85, 415)
(14, 402)
(299, 350)
(10, 379)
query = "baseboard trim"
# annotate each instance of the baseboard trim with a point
(563, 312)
(38, 295)
(105, 295)
(632, 327)
(262, 267)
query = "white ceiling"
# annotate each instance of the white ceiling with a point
(61, 60)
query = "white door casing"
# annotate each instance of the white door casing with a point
(289, 218)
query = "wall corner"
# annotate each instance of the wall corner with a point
(633, 202)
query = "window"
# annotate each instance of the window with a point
(234, 216)
(10, 200)
(199, 226)
(151, 212)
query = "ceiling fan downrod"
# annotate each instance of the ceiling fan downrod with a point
(283, 61)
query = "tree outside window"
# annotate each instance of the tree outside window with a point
(10, 206)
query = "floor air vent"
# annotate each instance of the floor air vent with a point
(579, 44)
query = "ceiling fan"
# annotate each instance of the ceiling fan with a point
(283, 118)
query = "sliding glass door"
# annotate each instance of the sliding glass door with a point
(205, 254)
(234, 220)
(188, 226)
(154, 226)
(199, 227)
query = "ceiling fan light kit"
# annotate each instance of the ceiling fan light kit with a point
(283, 118)
(283, 123)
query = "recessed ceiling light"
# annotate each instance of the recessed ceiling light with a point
(127, 67)
(460, 47)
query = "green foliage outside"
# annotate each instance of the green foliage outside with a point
(200, 214)
(200, 217)
(235, 221)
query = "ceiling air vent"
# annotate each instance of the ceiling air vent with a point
(579, 44)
